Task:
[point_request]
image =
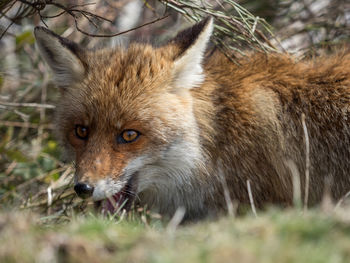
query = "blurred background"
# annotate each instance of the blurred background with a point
(32, 173)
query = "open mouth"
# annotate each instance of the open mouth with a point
(118, 201)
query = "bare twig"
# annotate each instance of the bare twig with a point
(30, 181)
(6, 29)
(25, 117)
(34, 105)
(44, 201)
(74, 12)
(120, 33)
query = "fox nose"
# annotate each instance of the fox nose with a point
(83, 190)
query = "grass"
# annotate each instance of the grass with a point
(273, 236)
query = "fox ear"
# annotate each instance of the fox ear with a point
(191, 44)
(62, 55)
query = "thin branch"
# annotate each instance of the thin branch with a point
(120, 33)
(6, 29)
(53, 16)
(42, 19)
(34, 105)
(73, 12)
(82, 5)
(90, 20)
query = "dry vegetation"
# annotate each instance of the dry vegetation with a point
(34, 179)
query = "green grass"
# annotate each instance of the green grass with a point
(274, 236)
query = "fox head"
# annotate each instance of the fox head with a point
(126, 114)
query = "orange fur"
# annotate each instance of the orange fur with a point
(243, 122)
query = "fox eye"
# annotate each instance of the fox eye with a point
(81, 132)
(128, 136)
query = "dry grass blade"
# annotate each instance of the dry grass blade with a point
(307, 162)
(296, 182)
(228, 200)
(176, 220)
(236, 29)
(251, 199)
(341, 201)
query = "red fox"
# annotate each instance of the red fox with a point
(166, 126)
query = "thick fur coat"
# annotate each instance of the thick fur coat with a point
(202, 122)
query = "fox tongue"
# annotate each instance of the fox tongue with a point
(112, 203)
(121, 199)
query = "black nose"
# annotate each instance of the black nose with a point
(83, 190)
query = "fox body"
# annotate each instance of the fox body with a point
(174, 126)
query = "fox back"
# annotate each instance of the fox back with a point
(176, 126)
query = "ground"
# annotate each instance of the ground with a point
(272, 236)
